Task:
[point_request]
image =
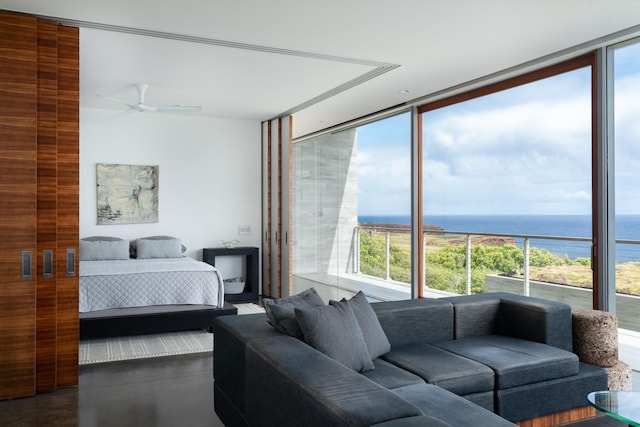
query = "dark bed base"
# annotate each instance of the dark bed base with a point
(149, 320)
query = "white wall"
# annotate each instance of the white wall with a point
(209, 170)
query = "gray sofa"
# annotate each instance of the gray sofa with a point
(482, 360)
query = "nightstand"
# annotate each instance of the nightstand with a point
(250, 292)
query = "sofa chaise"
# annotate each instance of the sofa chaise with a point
(481, 360)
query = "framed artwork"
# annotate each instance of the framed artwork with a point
(127, 194)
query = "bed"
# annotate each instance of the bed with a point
(147, 288)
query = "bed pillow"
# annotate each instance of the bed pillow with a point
(281, 312)
(102, 248)
(334, 330)
(133, 246)
(158, 248)
(374, 336)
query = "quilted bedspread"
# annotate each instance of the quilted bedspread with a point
(144, 282)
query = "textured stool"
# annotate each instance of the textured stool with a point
(620, 377)
(595, 337)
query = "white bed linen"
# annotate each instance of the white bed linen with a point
(144, 282)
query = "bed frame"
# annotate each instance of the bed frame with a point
(149, 320)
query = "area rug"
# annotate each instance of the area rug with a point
(152, 345)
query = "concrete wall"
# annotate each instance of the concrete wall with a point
(325, 203)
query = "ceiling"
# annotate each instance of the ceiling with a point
(327, 61)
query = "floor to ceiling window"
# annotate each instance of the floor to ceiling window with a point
(626, 80)
(351, 211)
(502, 169)
(508, 194)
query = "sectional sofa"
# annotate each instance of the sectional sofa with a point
(481, 360)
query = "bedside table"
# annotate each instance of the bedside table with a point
(250, 292)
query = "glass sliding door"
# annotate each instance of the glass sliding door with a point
(351, 211)
(626, 82)
(507, 190)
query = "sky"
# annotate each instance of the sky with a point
(522, 151)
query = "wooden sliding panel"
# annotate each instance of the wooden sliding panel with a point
(277, 216)
(18, 97)
(266, 209)
(47, 206)
(68, 205)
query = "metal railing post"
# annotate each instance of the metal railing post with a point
(356, 255)
(526, 266)
(424, 251)
(468, 262)
(388, 256)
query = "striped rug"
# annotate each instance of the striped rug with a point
(152, 345)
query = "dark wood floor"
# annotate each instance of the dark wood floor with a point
(164, 391)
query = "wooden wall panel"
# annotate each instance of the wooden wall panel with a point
(18, 91)
(68, 223)
(46, 310)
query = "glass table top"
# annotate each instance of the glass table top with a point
(621, 405)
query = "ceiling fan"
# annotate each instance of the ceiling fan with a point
(143, 107)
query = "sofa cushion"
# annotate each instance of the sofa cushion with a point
(390, 376)
(446, 406)
(442, 368)
(374, 336)
(291, 384)
(413, 320)
(515, 361)
(334, 330)
(281, 311)
(546, 397)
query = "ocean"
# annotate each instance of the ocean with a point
(627, 228)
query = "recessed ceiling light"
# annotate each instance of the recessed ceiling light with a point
(404, 91)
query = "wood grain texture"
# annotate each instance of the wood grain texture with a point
(559, 418)
(68, 203)
(18, 97)
(46, 303)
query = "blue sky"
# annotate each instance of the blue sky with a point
(522, 151)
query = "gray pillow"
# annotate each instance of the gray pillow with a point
(333, 330)
(158, 248)
(99, 248)
(377, 341)
(133, 246)
(281, 312)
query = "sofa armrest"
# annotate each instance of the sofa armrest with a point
(536, 319)
(290, 383)
(230, 335)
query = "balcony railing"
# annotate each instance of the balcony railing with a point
(526, 238)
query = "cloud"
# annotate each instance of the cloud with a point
(522, 151)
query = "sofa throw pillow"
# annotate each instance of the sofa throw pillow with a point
(374, 336)
(334, 330)
(98, 248)
(281, 312)
(164, 248)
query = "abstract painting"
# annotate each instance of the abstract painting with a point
(127, 194)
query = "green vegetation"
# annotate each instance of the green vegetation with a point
(446, 266)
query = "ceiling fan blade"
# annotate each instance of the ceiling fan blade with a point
(144, 108)
(113, 99)
(178, 108)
